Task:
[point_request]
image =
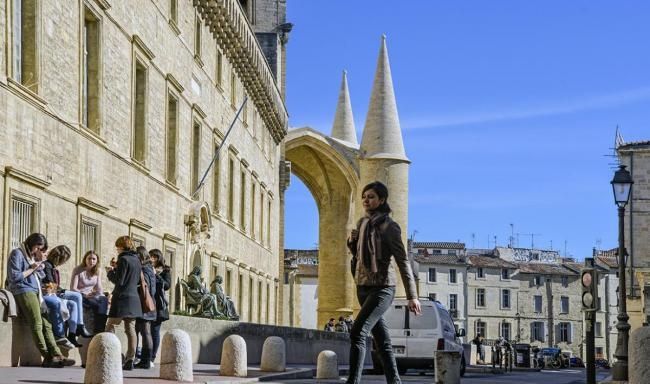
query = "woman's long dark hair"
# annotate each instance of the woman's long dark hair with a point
(382, 192)
(35, 239)
(161, 259)
(145, 259)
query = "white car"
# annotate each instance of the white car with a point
(416, 338)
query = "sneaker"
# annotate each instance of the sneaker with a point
(50, 362)
(153, 365)
(144, 364)
(64, 343)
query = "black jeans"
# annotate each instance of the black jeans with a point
(374, 301)
(155, 335)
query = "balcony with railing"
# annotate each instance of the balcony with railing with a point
(230, 27)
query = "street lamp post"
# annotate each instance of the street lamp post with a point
(622, 186)
(518, 318)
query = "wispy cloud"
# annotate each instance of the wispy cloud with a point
(548, 109)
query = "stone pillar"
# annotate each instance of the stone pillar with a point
(639, 350)
(176, 357)
(233, 357)
(327, 366)
(273, 355)
(104, 361)
(447, 367)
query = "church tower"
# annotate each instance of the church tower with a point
(382, 156)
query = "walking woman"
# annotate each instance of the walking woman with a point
(143, 323)
(86, 280)
(377, 239)
(72, 300)
(125, 305)
(23, 265)
(163, 283)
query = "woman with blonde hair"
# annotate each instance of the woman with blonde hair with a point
(125, 303)
(87, 280)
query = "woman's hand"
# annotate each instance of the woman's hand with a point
(414, 306)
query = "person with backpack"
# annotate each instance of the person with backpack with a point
(163, 283)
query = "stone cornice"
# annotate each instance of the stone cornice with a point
(137, 41)
(230, 28)
(103, 4)
(26, 177)
(139, 224)
(81, 201)
(177, 85)
(172, 238)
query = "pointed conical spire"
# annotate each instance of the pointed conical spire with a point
(382, 135)
(343, 128)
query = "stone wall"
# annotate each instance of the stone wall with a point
(302, 345)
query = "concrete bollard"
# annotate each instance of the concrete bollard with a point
(273, 355)
(176, 358)
(639, 350)
(233, 357)
(447, 367)
(327, 366)
(104, 360)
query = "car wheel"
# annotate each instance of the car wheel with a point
(462, 366)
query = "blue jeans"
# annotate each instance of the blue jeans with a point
(374, 301)
(99, 304)
(73, 303)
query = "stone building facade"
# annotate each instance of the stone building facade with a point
(441, 269)
(636, 157)
(111, 113)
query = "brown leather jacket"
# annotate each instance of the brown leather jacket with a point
(391, 245)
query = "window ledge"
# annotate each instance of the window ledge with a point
(172, 185)
(92, 135)
(26, 93)
(174, 27)
(198, 61)
(139, 165)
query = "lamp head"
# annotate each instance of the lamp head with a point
(622, 185)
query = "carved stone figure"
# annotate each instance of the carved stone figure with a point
(224, 303)
(197, 295)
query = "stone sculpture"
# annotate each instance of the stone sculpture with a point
(224, 303)
(198, 296)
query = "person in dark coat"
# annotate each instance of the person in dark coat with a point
(376, 240)
(163, 283)
(143, 324)
(125, 302)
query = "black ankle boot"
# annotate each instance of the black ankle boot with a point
(82, 331)
(73, 339)
(128, 365)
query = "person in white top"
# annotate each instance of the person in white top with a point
(87, 280)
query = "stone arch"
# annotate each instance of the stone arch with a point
(329, 168)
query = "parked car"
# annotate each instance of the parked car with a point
(575, 361)
(554, 358)
(416, 338)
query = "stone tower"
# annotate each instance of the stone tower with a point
(382, 156)
(343, 127)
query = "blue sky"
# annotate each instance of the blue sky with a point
(508, 109)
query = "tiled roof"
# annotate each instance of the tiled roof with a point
(634, 144)
(608, 261)
(576, 267)
(439, 259)
(438, 245)
(479, 251)
(545, 269)
(490, 262)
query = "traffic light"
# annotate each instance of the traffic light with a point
(589, 281)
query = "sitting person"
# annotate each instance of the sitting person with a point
(55, 302)
(23, 264)
(87, 281)
(341, 326)
(224, 303)
(198, 293)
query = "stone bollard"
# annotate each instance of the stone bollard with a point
(639, 350)
(176, 358)
(447, 367)
(233, 357)
(104, 360)
(23, 349)
(273, 355)
(327, 366)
